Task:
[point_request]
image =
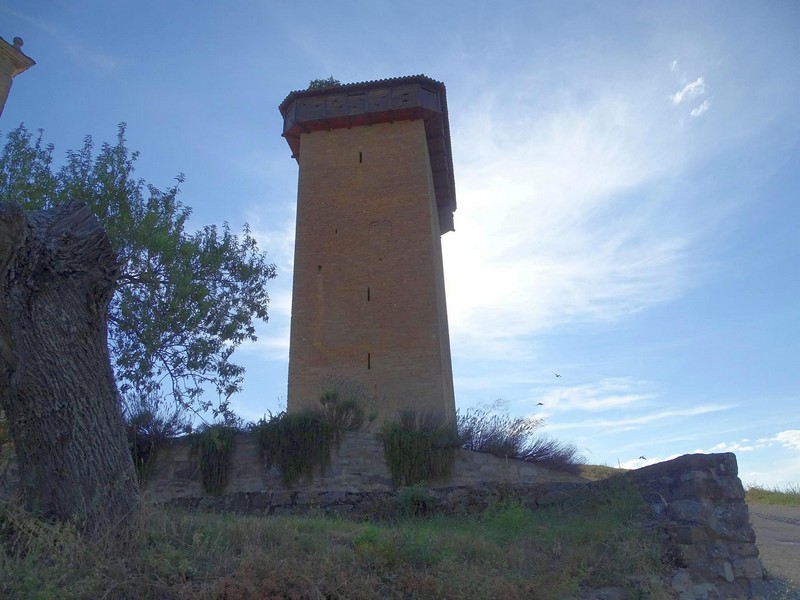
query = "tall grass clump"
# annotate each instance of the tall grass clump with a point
(485, 430)
(419, 447)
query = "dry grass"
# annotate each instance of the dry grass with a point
(596, 472)
(506, 552)
(788, 496)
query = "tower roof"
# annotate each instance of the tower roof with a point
(380, 101)
(14, 59)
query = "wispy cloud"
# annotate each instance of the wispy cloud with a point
(554, 224)
(699, 110)
(80, 52)
(607, 394)
(690, 90)
(610, 426)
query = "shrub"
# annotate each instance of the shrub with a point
(344, 403)
(298, 443)
(301, 443)
(149, 423)
(320, 84)
(343, 414)
(419, 447)
(215, 445)
(415, 501)
(484, 430)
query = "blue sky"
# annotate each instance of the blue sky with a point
(627, 174)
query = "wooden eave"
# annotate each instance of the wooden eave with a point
(15, 57)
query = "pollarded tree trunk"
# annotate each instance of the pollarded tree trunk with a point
(57, 275)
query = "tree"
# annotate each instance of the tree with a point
(57, 276)
(183, 301)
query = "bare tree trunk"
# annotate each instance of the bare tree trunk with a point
(57, 275)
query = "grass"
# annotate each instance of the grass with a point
(508, 551)
(596, 472)
(788, 496)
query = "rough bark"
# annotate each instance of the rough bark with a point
(57, 275)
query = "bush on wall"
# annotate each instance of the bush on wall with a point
(149, 423)
(420, 447)
(214, 444)
(301, 443)
(298, 443)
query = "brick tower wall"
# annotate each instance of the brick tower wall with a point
(369, 301)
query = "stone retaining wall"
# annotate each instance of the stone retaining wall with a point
(357, 465)
(696, 502)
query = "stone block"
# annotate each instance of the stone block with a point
(691, 534)
(690, 511)
(749, 568)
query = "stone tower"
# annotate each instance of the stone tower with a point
(12, 62)
(375, 193)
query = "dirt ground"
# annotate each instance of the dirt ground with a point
(778, 538)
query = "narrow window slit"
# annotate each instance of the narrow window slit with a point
(369, 361)
(360, 157)
(367, 294)
(319, 268)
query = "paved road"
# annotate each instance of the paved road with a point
(778, 539)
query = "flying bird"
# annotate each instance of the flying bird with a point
(642, 458)
(540, 404)
(557, 375)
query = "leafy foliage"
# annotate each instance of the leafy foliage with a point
(215, 445)
(420, 447)
(184, 301)
(318, 84)
(149, 423)
(484, 430)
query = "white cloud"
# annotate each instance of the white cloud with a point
(733, 447)
(789, 439)
(638, 463)
(699, 110)
(690, 90)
